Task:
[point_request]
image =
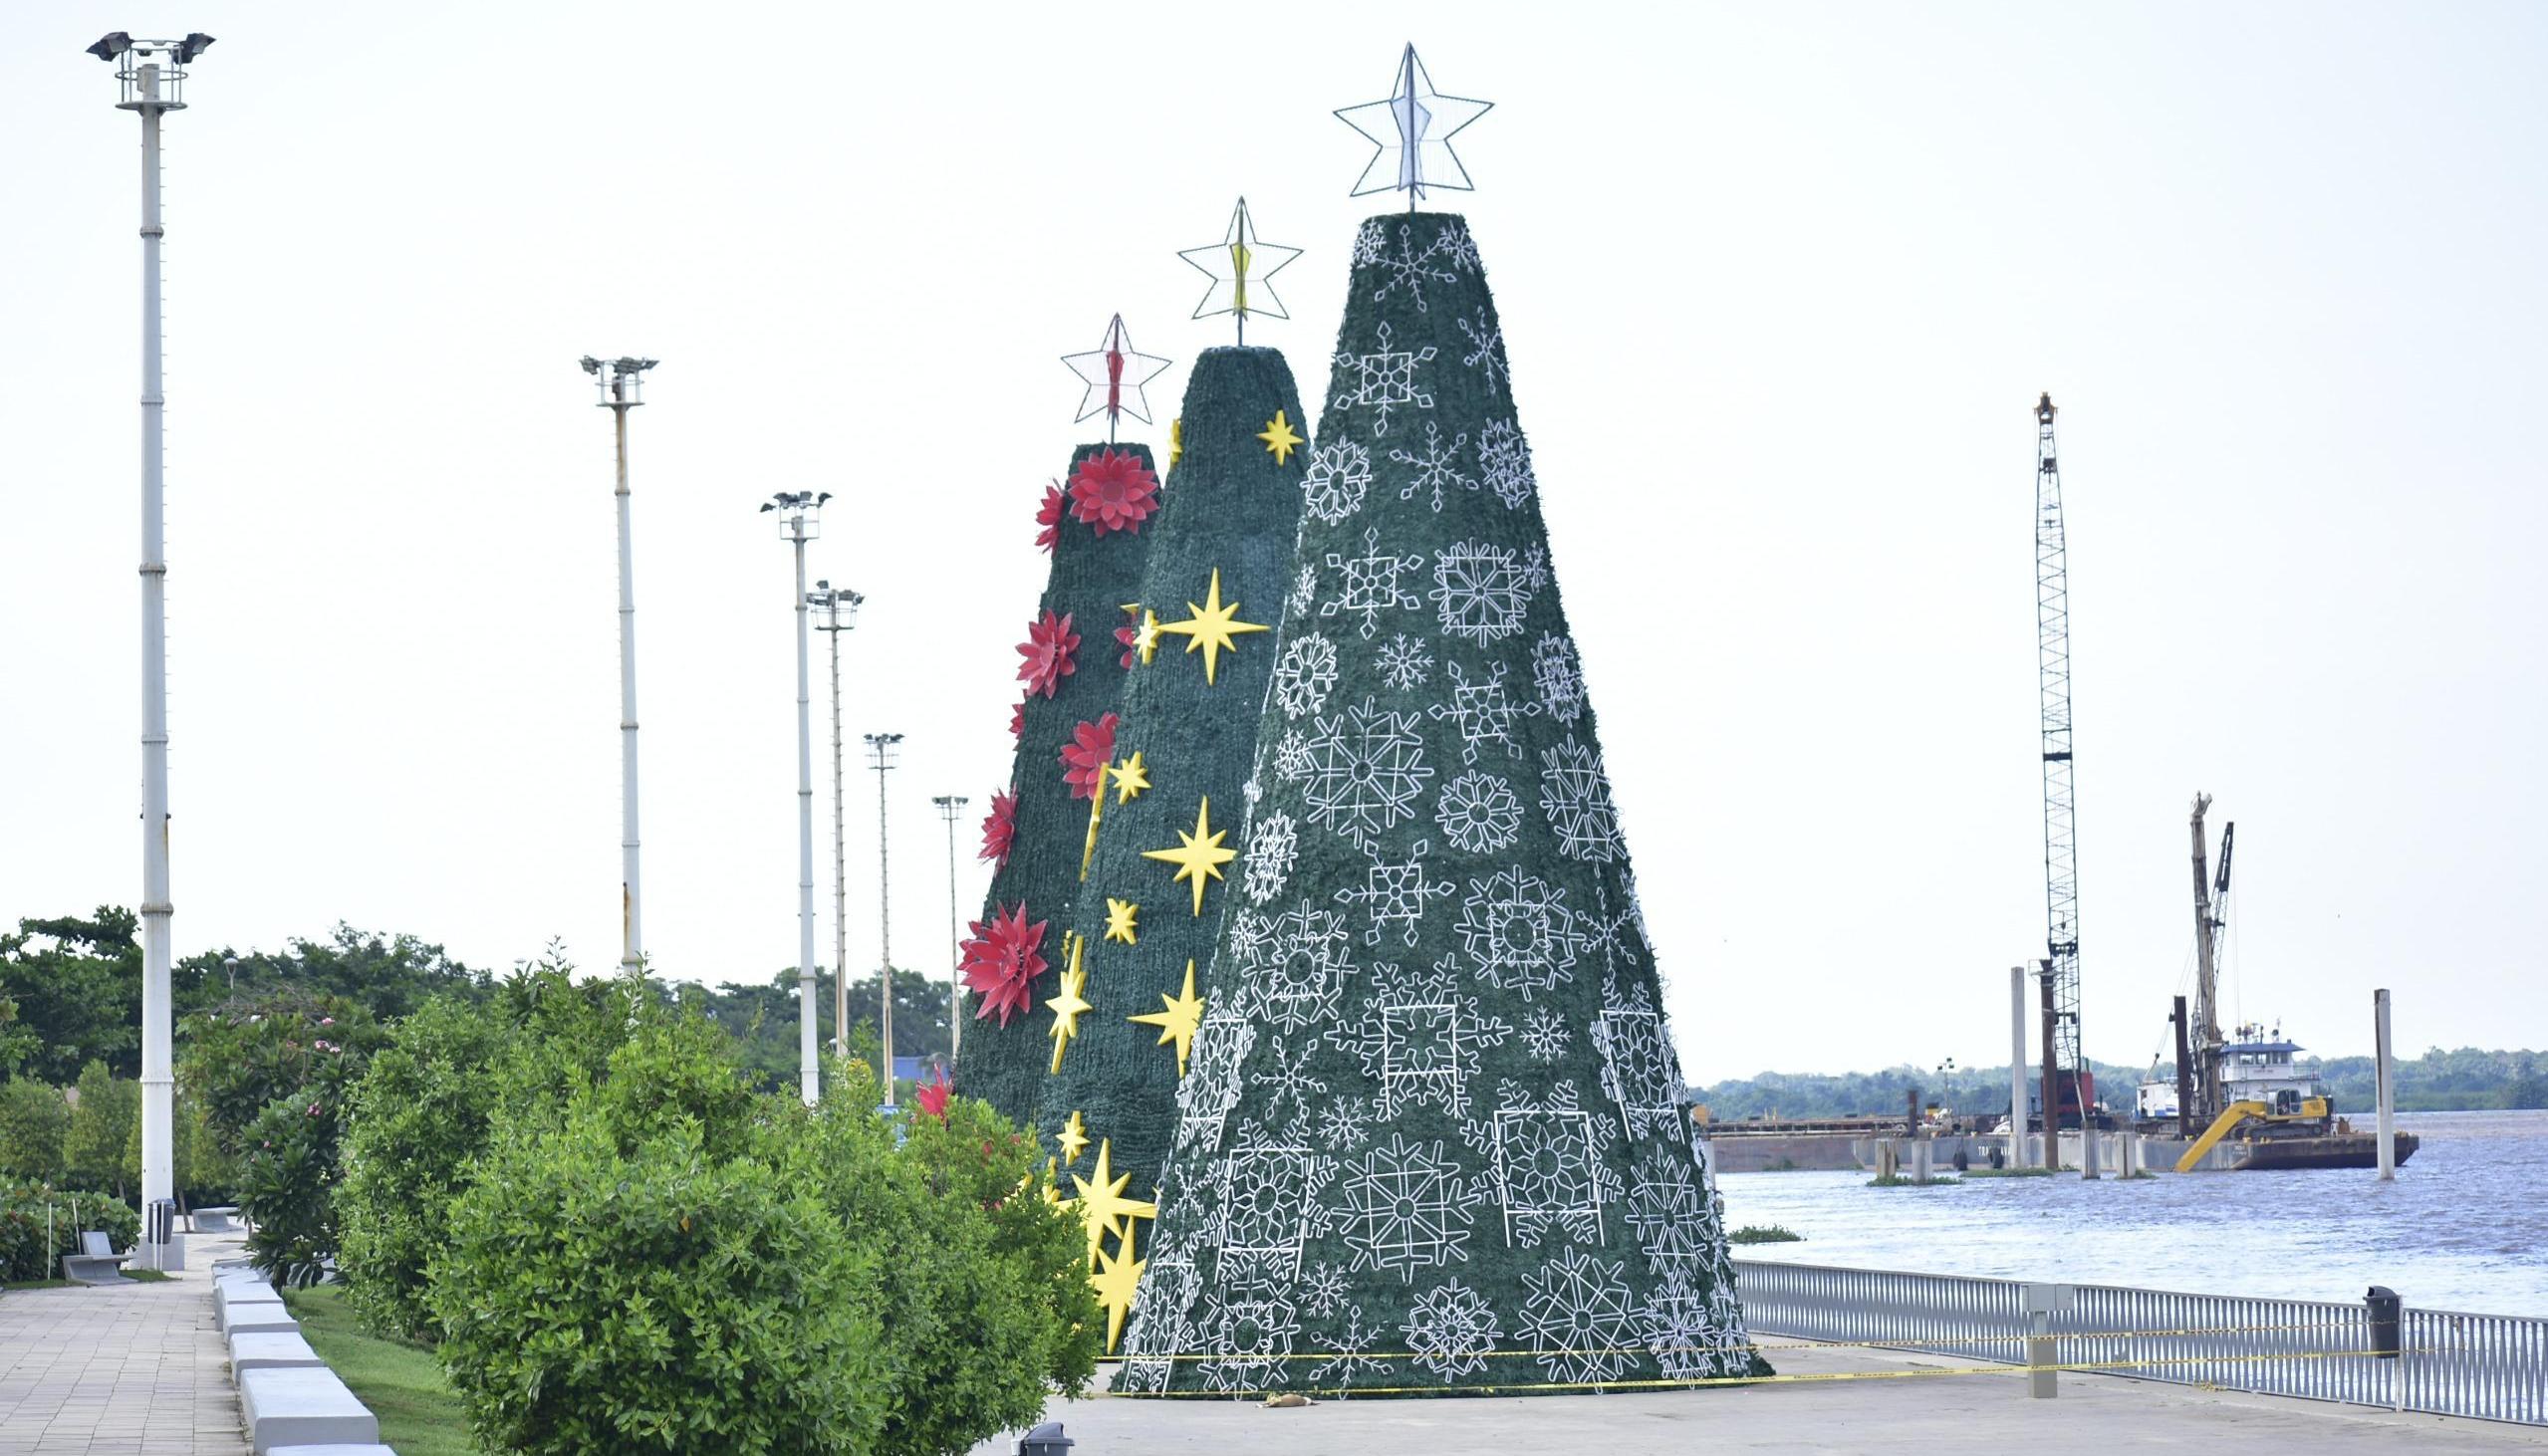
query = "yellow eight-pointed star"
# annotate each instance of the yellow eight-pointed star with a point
(1213, 627)
(1118, 1275)
(1123, 920)
(1131, 777)
(1176, 1023)
(1200, 856)
(1103, 1206)
(1280, 440)
(1072, 1140)
(1067, 1006)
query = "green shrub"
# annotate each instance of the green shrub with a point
(105, 1127)
(1755, 1233)
(34, 1119)
(288, 1176)
(23, 1252)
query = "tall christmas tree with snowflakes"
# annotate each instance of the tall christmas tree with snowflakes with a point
(1071, 661)
(1431, 1134)
(1159, 841)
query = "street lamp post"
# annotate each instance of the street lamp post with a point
(880, 748)
(620, 388)
(948, 807)
(799, 523)
(840, 609)
(152, 77)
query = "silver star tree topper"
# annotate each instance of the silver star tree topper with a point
(1414, 131)
(1115, 372)
(1235, 262)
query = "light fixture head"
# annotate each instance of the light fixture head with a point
(196, 44)
(112, 45)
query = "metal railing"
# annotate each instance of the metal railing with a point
(2486, 1366)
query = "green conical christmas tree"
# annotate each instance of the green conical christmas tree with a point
(1072, 668)
(1212, 598)
(1431, 1134)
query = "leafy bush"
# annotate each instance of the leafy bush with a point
(33, 1122)
(23, 1250)
(288, 1176)
(103, 1127)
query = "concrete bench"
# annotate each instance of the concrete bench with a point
(215, 1220)
(333, 1449)
(96, 1263)
(286, 1407)
(237, 1310)
(270, 1350)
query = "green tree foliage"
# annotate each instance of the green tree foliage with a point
(387, 975)
(102, 1146)
(77, 983)
(27, 1210)
(763, 1018)
(34, 1119)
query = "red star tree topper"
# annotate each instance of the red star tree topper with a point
(1112, 490)
(1090, 749)
(1048, 517)
(1002, 960)
(1047, 649)
(999, 830)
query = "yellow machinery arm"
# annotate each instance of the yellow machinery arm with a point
(2230, 1117)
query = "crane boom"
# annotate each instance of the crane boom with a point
(2061, 847)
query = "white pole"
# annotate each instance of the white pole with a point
(951, 806)
(840, 853)
(159, 1084)
(2388, 1085)
(809, 1058)
(632, 925)
(2017, 1067)
(885, 916)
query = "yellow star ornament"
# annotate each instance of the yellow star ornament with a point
(1120, 918)
(1130, 778)
(1178, 1022)
(1118, 1276)
(1280, 441)
(1201, 854)
(1072, 1140)
(1213, 627)
(1103, 1205)
(1177, 439)
(1067, 1006)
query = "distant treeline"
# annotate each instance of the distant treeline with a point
(2467, 1079)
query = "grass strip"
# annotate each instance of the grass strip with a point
(402, 1383)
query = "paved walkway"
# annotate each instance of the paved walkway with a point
(1895, 1416)
(123, 1369)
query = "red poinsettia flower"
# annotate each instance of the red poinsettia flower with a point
(1017, 721)
(1002, 960)
(1131, 638)
(932, 1095)
(1090, 749)
(999, 830)
(1047, 649)
(1048, 517)
(1112, 490)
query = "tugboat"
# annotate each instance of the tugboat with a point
(2249, 1095)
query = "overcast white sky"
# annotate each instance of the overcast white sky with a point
(1780, 285)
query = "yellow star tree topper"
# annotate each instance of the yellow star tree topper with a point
(1103, 1207)
(1067, 1006)
(1122, 921)
(1280, 440)
(1213, 627)
(1201, 854)
(1178, 1023)
(1072, 1140)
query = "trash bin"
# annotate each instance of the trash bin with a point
(2384, 1305)
(1045, 1441)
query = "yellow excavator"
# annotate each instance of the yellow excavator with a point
(2313, 1110)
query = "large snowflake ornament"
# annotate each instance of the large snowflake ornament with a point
(1381, 382)
(1303, 675)
(1577, 1312)
(1519, 933)
(1485, 713)
(1504, 458)
(1396, 892)
(1112, 490)
(1451, 1330)
(1338, 477)
(1405, 1206)
(1293, 976)
(1001, 960)
(1437, 467)
(1370, 583)
(1639, 1069)
(1559, 674)
(1575, 794)
(1047, 650)
(1418, 1038)
(1365, 771)
(1488, 353)
(1212, 1085)
(1273, 843)
(1544, 1033)
(1479, 813)
(1406, 268)
(1404, 662)
(1481, 590)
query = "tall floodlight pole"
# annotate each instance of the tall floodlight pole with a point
(620, 381)
(840, 609)
(880, 748)
(948, 807)
(151, 75)
(799, 523)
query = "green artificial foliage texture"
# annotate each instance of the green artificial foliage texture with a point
(1092, 574)
(1233, 507)
(1431, 1138)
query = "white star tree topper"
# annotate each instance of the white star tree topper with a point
(1412, 130)
(1234, 263)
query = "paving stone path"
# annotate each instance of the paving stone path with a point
(129, 1368)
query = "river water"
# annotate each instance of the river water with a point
(2464, 1227)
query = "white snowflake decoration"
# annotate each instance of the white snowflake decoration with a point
(1163, 1324)
(1303, 675)
(1544, 1033)
(1371, 584)
(1504, 459)
(1250, 1341)
(1420, 1040)
(1404, 1207)
(1681, 1330)
(1395, 892)
(1405, 662)
(1436, 469)
(1410, 268)
(1481, 590)
(1559, 674)
(1322, 1289)
(1338, 477)
(1304, 589)
(1479, 813)
(1292, 756)
(1210, 1088)
(1365, 771)
(1288, 1079)
(1381, 382)
(1639, 1069)
(1369, 241)
(1549, 1173)
(1344, 1126)
(1579, 1313)
(1351, 1358)
(1519, 932)
(1488, 336)
(1295, 977)
(1483, 712)
(1451, 1330)
(1666, 1207)
(1575, 794)
(1266, 1197)
(1272, 847)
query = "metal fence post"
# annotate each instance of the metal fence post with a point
(2043, 1300)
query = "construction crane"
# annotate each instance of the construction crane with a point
(2069, 1086)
